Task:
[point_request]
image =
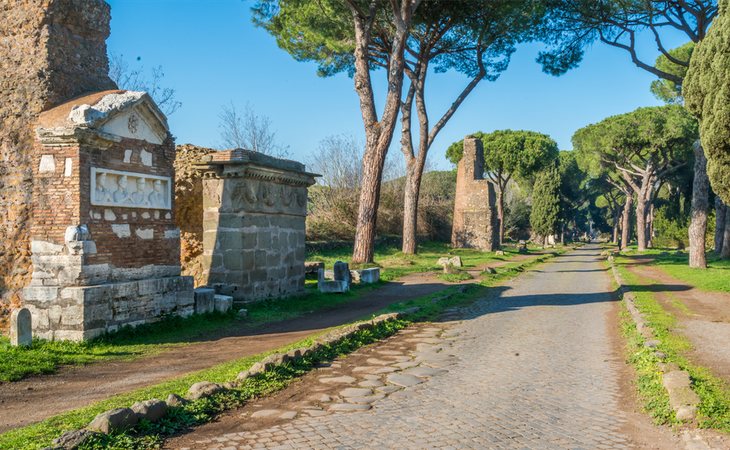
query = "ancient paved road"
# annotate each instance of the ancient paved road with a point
(536, 367)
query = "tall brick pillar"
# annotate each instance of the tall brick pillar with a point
(50, 51)
(475, 217)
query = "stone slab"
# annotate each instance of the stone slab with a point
(21, 328)
(404, 380)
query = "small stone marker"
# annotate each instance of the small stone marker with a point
(21, 331)
(223, 303)
(342, 272)
(369, 276)
(204, 300)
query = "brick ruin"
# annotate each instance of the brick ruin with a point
(254, 211)
(105, 247)
(475, 217)
(89, 192)
(49, 53)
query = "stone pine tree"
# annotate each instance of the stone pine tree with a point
(510, 155)
(707, 95)
(343, 36)
(545, 213)
(476, 38)
(671, 92)
(641, 148)
(626, 25)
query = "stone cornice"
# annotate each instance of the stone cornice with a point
(250, 170)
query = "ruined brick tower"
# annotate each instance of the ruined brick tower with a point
(50, 51)
(475, 218)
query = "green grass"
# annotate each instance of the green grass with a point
(45, 357)
(714, 393)
(41, 434)
(394, 264)
(676, 264)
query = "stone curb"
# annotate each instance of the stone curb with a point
(682, 398)
(121, 419)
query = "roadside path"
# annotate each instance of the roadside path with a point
(35, 398)
(537, 365)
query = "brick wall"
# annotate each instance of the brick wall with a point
(475, 218)
(50, 51)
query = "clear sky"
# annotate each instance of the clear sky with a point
(212, 55)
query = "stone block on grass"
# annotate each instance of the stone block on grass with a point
(370, 276)
(152, 410)
(118, 419)
(204, 300)
(203, 389)
(223, 303)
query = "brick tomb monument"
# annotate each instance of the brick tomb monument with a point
(475, 218)
(254, 211)
(105, 248)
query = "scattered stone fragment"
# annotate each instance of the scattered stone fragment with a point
(175, 400)
(203, 389)
(114, 420)
(71, 440)
(344, 407)
(242, 376)
(152, 410)
(406, 364)
(388, 389)
(355, 392)
(370, 383)
(377, 361)
(264, 413)
(242, 313)
(424, 372)
(368, 399)
(404, 380)
(389, 352)
(344, 379)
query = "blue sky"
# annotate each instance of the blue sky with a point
(212, 55)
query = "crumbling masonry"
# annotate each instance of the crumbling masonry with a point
(50, 51)
(475, 218)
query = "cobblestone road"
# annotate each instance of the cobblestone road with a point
(534, 368)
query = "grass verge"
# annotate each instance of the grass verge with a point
(714, 393)
(41, 434)
(45, 357)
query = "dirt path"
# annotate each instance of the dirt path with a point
(703, 317)
(39, 397)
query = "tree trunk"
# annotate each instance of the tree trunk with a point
(626, 222)
(414, 173)
(641, 223)
(378, 132)
(500, 214)
(725, 253)
(720, 218)
(698, 225)
(615, 227)
(650, 226)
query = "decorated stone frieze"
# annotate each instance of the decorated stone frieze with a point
(129, 189)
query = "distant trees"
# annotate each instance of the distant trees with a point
(510, 155)
(545, 214)
(248, 130)
(639, 148)
(576, 24)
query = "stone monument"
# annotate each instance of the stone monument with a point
(254, 211)
(104, 244)
(21, 331)
(50, 52)
(475, 218)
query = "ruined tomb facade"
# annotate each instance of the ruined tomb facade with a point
(254, 211)
(50, 52)
(104, 245)
(475, 217)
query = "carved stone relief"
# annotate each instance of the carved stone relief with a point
(129, 189)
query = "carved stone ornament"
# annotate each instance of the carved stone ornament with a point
(130, 189)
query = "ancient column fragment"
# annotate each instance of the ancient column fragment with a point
(475, 216)
(254, 211)
(105, 248)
